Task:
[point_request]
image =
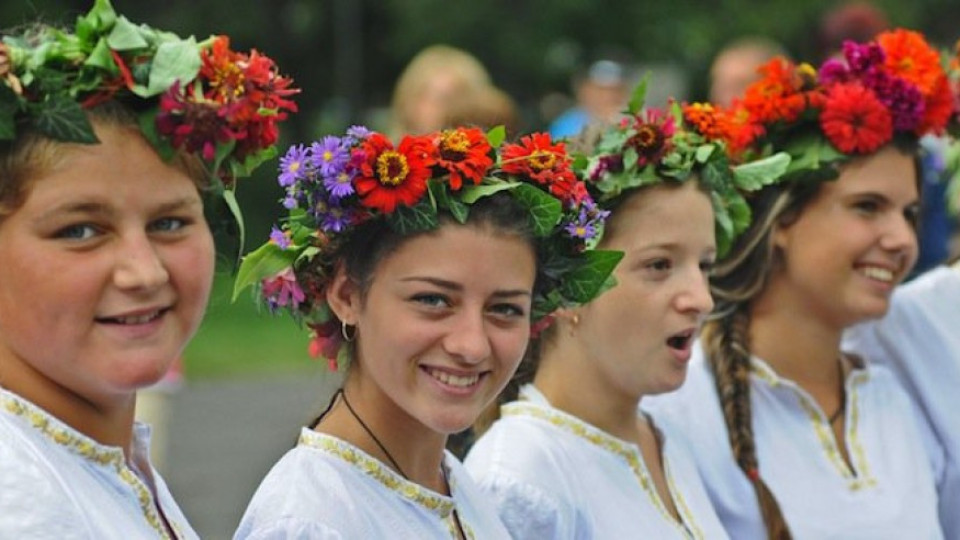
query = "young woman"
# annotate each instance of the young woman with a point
(918, 341)
(821, 444)
(106, 263)
(422, 265)
(572, 458)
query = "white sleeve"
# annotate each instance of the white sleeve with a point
(288, 528)
(528, 512)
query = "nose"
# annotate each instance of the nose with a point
(139, 265)
(468, 339)
(695, 297)
(900, 237)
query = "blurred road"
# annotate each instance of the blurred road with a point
(223, 437)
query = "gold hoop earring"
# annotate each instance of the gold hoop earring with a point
(347, 336)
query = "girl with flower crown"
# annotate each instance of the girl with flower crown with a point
(106, 260)
(422, 266)
(820, 444)
(572, 458)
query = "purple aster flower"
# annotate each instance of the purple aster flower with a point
(584, 231)
(356, 134)
(290, 201)
(339, 186)
(293, 166)
(279, 238)
(329, 156)
(335, 219)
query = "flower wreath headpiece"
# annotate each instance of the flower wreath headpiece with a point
(202, 97)
(337, 183)
(892, 86)
(696, 140)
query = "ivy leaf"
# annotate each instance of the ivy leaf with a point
(471, 194)
(61, 118)
(408, 220)
(174, 61)
(100, 57)
(99, 19)
(762, 172)
(457, 209)
(545, 210)
(496, 135)
(125, 36)
(583, 283)
(265, 261)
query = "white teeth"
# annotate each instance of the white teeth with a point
(454, 380)
(880, 274)
(142, 319)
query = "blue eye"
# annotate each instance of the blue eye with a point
(81, 231)
(168, 224)
(432, 300)
(508, 310)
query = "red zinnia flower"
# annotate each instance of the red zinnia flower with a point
(537, 158)
(854, 120)
(779, 95)
(464, 153)
(652, 138)
(388, 176)
(939, 108)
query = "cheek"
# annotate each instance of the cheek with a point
(511, 345)
(191, 270)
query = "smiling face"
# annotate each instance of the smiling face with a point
(853, 242)
(442, 327)
(637, 336)
(105, 271)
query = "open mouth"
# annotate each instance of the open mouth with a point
(133, 320)
(877, 273)
(680, 341)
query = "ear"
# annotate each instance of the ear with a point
(569, 317)
(781, 236)
(343, 297)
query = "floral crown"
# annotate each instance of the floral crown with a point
(336, 184)
(201, 97)
(853, 105)
(696, 140)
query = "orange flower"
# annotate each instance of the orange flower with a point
(910, 57)
(939, 108)
(779, 95)
(464, 153)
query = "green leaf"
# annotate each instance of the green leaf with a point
(101, 16)
(230, 198)
(639, 95)
(444, 198)
(704, 152)
(9, 107)
(471, 194)
(585, 282)
(413, 219)
(496, 135)
(762, 172)
(265, 261)
(100, 57)
(545, 210)
(148, 126)
(251, 162)
(62, 119)
(630, 159)
(174, 61)
(125, 36)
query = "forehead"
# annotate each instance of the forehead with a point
(661, 213)
(891, 173)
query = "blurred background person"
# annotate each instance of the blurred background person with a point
(735, 66)
(430, 81)
(485, 107)
(602, 93)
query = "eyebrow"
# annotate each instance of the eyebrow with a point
(454, 286)
(105, 210)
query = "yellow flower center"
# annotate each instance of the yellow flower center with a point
(328, 156)
(454, 141)
(392, 168)
(542, 160)
(295, 166)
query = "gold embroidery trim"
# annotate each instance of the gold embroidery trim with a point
(625, 451)
(88, 449)
(821, 427)
(385, 476)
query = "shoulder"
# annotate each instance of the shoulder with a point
(286, 528)
(34, 500)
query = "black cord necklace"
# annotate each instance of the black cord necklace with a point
(443, 472)
(843, 394)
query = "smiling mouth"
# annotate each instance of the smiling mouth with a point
(456, 381)
(134, 319)
(877, 273)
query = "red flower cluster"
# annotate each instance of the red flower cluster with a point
(537, 157)
(236, 97)
(783, 93)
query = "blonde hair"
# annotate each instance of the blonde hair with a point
(428, 63)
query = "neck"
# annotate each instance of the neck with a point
(408, 447)
(571, 381)
(109, 420)
(798, 345)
